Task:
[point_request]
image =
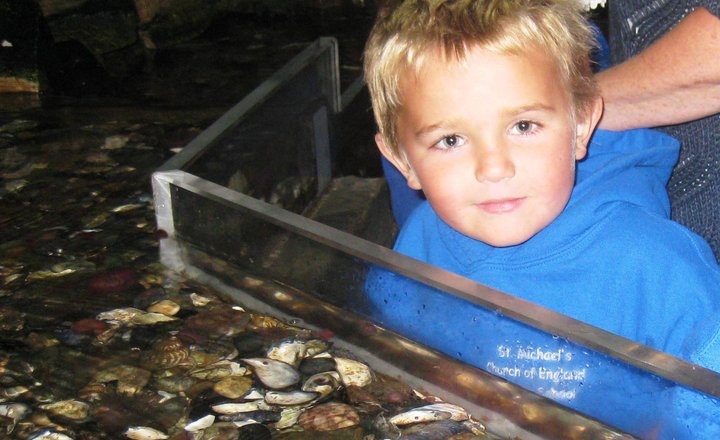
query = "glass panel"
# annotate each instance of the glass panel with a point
(270, 246)
(278, 145)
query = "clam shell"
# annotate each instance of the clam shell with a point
(290, 351)
(316, 346)
(286, 398)
(14, 411)
(273, 374)
(259, 416)
(165, 306)
(456, 413)
(122, 315)
(49, 434)
(288, 417)
(329, 417)
(353, 372)
(419, 415)
(219, 370)
(72, 409)
(239, 407)
(129, 379)
(445, 429)
(144, 433)
(322, 383)
(149, 318)
(199, 300)
(233, 387)
(200, 423)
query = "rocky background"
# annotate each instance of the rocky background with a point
(90, 47)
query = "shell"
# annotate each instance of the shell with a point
(199, 300)
(121, 315)
(445, 429)
(419, 415)
(165, 354)
(288, 417)
(329, 417)
(218, 370)
(48, 434)
(218, 320)
(322, 383)
(13, 392)
(289, 351)
(353, 372)
(130, 379)
(286, 398)
(239, 407)
(144, 433)
(233, 387)
(150, 319)
(72, 409)
(259, 416)
(200, 424)
(14, 411)
(316, 346)
(165, 306)
(273, 374)
(456, 413)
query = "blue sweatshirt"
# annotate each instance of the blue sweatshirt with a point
(611, 259)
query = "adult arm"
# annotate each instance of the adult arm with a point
(674, 80)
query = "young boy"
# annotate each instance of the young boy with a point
(486, 106)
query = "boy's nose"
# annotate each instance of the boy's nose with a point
(493, 165)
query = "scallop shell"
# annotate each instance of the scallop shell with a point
(329, 417)
(165, 354)
(273, 374)
(353, 372)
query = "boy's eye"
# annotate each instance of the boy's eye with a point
(525, 127)
(449, 142)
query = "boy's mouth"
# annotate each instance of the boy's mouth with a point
(501, 206)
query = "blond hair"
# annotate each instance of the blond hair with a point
(407, 33)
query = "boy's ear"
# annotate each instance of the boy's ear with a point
(401, 163)
(585, 126)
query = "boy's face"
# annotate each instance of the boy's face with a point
(491, 142)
